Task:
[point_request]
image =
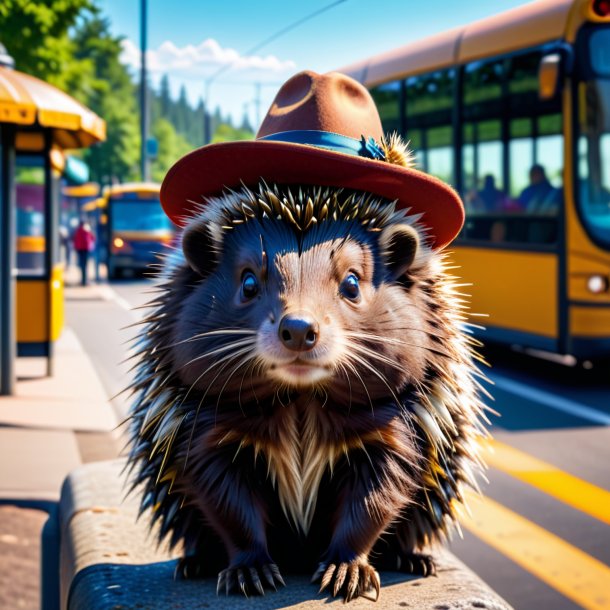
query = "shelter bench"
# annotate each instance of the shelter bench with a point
(96, 556)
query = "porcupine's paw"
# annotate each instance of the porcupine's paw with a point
(416, 563)
(356, 578)
(191, 566)
(249, 579)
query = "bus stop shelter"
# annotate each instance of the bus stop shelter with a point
(37, 123)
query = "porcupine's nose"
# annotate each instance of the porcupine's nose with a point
(298, 332)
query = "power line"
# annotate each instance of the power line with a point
(260, 45)
(275, 36)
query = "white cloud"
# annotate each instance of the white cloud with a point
(204, 59)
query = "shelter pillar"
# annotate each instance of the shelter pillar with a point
(7, 260)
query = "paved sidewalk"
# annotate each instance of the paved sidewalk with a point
(51, 425)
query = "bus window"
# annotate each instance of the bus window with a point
(594, 158)
(429, 103)
(388, 99)
(440, 153)
(521, 154)
(512, 155)
(29, 188)
(483, 90)
(415, 141)
(549, 148)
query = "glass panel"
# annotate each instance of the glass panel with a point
(483, 89)
(429, 99)
(594, 158)
(549, 153)
(549, 124)
(599, 48)
(440, 163)
(387, 99)
(440, 153)
(521, 128)
(521, 151)
(415, 140)
(141, 215)
(30, 193)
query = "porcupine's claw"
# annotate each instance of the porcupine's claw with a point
(355, 578)
(417, 563)
(248, 579)
(189, 567)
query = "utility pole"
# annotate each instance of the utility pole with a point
(143, 93)
(257, 104)
(207, 120)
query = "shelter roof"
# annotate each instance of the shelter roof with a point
(26, 100)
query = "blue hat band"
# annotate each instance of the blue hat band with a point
(368, 149)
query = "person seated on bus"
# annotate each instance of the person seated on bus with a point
(540, 194)
(490, 196)
(487, 200)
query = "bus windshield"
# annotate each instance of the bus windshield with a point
(139, 215)
(594, 140)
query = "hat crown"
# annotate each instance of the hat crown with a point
(331, 102)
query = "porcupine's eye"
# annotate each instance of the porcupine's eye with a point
(249, 286)
(350, 287)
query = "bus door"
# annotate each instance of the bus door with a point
(589, 219)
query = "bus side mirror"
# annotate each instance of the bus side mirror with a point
(549, 73)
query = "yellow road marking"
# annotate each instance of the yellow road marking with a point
(569, 570)
(569, 489)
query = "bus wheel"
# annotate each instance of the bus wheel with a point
(114, 273)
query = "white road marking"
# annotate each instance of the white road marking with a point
(550, 400)
(111, 295)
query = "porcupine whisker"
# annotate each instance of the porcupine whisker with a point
(214, 364)
(214, 333)
(226, 359)
(373, 370)
(395, 340)
(355, 371)
(432, 350)
(194, 338)
(362, 349)
(349, 383)
(219, 350)
(243, 361)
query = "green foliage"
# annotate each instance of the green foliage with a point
(111, 94)
(172, 146)
(225, 132)
(36, 34)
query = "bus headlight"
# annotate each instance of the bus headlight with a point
(597, 284)
(118, 242)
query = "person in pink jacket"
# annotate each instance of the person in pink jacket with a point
(84, 242)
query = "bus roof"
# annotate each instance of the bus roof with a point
(132, 187)
(90, 189)
(521, 27)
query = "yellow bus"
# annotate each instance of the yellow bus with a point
(137, 229)
(514, 112)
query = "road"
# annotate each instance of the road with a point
(540, 536)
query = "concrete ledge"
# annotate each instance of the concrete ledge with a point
(110, 561)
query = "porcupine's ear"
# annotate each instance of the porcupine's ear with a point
(398, 244)
(200, 248)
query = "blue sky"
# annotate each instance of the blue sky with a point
(191, 39)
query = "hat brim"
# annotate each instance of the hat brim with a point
(208, 171)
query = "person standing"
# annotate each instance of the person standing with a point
(84, 242)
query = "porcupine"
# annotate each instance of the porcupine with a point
(305, 397)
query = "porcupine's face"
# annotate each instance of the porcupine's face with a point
(332, 306)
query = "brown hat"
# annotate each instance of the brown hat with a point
(323, 130)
